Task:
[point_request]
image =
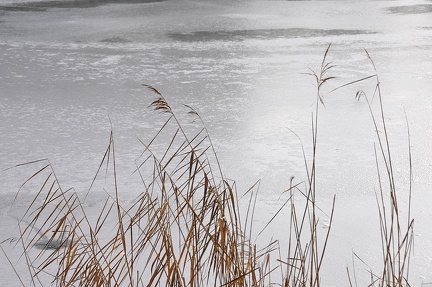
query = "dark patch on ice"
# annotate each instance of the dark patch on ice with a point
(40, 6)
(22, 8)
(46, 244)
(119, 40)
(411, 9)
(262, 34)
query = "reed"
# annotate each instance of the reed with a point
(306, 248)
(185, 228)
(396, 231)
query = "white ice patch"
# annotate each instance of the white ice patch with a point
(109, 60)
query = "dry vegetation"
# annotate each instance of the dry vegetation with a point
(185, 227)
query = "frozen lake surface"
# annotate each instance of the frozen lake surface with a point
(71, 69)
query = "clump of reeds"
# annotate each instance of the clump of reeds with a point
(184, 227)
(396, 232)
(306, 249)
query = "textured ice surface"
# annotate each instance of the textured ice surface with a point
(67, 74)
